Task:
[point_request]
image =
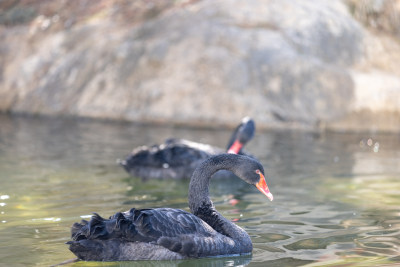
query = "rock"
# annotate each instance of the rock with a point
(286, 63)
(376, 103)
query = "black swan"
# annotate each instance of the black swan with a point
(177, 158)
(171, 234)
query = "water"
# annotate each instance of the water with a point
(336, 196)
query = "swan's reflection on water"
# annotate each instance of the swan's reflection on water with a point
(243, 260)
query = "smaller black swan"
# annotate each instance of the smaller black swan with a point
(177, 158)
(171, 234)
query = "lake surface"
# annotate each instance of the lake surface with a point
(336, 196)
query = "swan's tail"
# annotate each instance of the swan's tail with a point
(88, 238)
(121, 162)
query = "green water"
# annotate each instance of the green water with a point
(336, 196)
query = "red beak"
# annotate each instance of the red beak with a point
(263, 187)
(235, 147)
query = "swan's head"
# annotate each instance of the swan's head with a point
(246, 130)
(253, 173)
(244, 134)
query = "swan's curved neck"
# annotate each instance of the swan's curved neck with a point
(233, 138)
(199, 184)
(201, 205)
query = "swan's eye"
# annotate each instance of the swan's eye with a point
(258, 171)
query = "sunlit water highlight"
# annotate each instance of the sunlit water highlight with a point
(336, 196)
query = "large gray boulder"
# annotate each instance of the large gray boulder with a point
(283, 62)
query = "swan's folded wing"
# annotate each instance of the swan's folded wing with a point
(180, 231)
(146, 225)
(175, 152)
(174, 222)
(175, 160)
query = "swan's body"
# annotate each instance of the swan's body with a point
(152, 234)
(170, 234)
(178, 158)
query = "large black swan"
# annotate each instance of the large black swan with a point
(171, 234)
(177, 158)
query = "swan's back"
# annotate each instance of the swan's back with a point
(176, 158)
(156, 234)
